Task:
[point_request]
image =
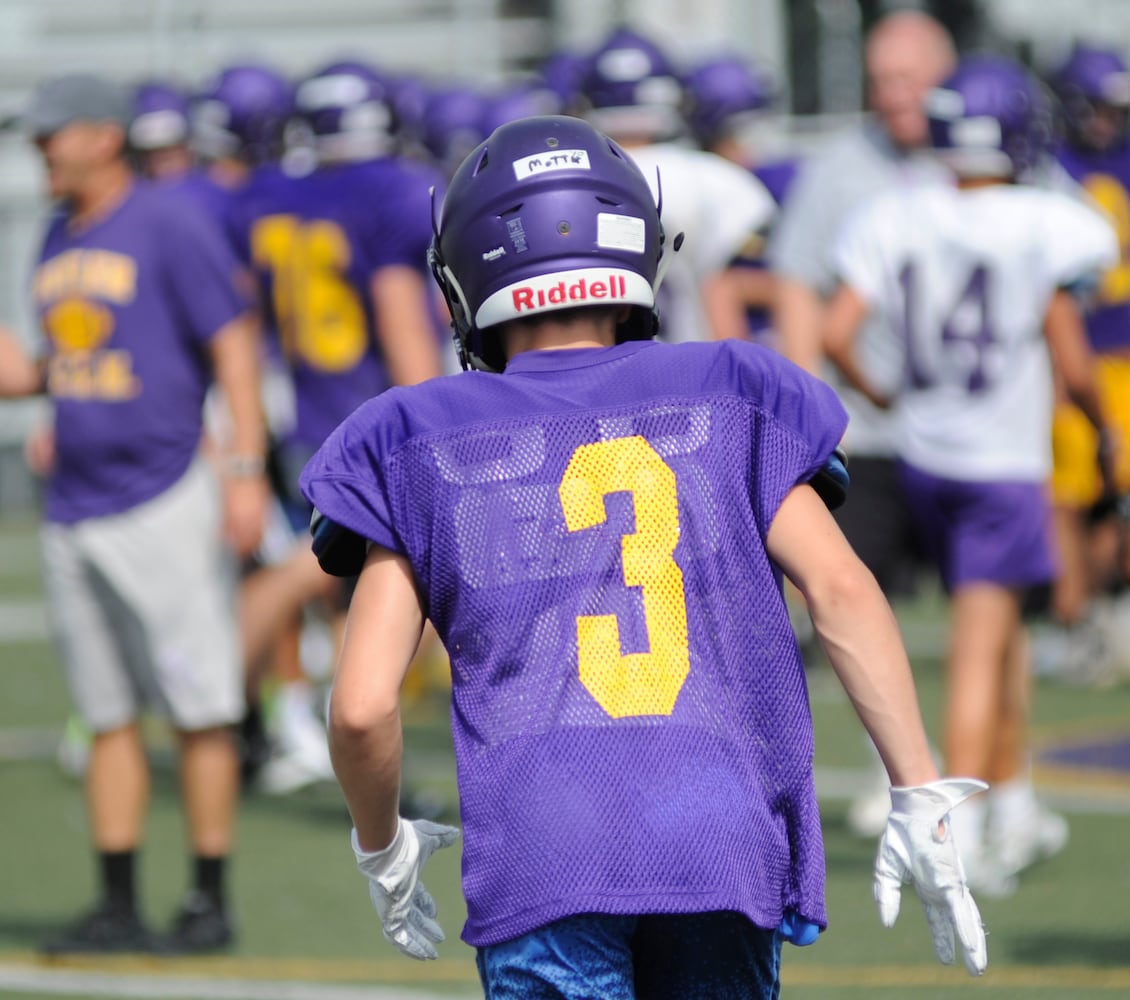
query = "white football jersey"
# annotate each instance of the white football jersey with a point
(962, 280)
(717, 205)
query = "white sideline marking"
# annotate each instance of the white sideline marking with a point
(57, 982)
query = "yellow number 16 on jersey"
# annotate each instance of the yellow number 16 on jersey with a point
(633, 683)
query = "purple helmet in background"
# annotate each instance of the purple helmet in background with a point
(721, 94)
(452, 125)
(1090, 79)
(409, 95)
(348, 112)
(990, 118)
(562, 72)
(242, 112)
(160, 117)
(630, 88)
(546, 214)
(526, 100)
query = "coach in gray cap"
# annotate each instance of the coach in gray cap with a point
(85, 97)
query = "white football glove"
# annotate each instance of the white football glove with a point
(918, 847)
(405, 907)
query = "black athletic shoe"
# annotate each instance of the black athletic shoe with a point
(107, 929)
(200, 926)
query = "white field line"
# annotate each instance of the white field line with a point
(57, 982)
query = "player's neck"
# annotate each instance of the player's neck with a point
(105, 190)
(550, 336)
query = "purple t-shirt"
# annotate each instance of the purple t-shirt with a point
(1106, 177)
(630, 716)
(315, 242)
(128, 307)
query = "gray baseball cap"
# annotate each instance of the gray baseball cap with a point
(75, 97)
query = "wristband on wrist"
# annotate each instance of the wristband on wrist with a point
(243, 466)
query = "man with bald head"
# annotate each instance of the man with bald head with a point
(907, 53)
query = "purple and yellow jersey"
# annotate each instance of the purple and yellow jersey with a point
(128, 306)
(588, 530)
(1106, 178)
(315, 242)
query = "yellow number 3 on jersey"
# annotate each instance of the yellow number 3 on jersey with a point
(634, 683)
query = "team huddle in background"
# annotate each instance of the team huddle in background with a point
(234, 271)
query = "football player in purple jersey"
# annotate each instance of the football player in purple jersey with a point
(1093, 87)
(137, 326)
(978, 298)
(340, 258)
(597, 525)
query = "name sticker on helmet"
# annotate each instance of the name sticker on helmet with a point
(544, 163)
(620, 232)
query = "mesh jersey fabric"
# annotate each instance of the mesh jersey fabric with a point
(630, 717)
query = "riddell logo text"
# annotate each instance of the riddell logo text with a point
(582, 290)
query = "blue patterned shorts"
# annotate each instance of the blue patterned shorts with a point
(712, 956)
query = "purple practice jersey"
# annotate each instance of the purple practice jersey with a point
(205, 194)
(1106, 178)
(631, 722)
(128, 306)
(315, 242)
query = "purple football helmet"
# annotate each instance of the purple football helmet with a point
(160, 117)
(242, 112)
(452, 125)
(1092, 79)
(721, 93)
(526, 100)
(630, 88)
(562, 72)
(347, 107)
(990, 118)
(546, 214)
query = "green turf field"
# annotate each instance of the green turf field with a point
(306, 929)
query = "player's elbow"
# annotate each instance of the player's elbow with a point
(843, 587)
(353, 720)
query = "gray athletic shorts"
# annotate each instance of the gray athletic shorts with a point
(142, 608)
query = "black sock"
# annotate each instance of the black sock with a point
(209, 877)
(118, 878)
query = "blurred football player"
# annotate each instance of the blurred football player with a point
(726, 97)
(977, 298)
(1093, 87)
(159, 130)
(597, 525)
(340, 258)
(632, 92)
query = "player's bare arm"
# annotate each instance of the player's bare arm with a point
(858, 630)
(1075, 363)
(841, 322)
(404, 328)
(381, 635)
(798, 315)
(236, 364)
(20, 374)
